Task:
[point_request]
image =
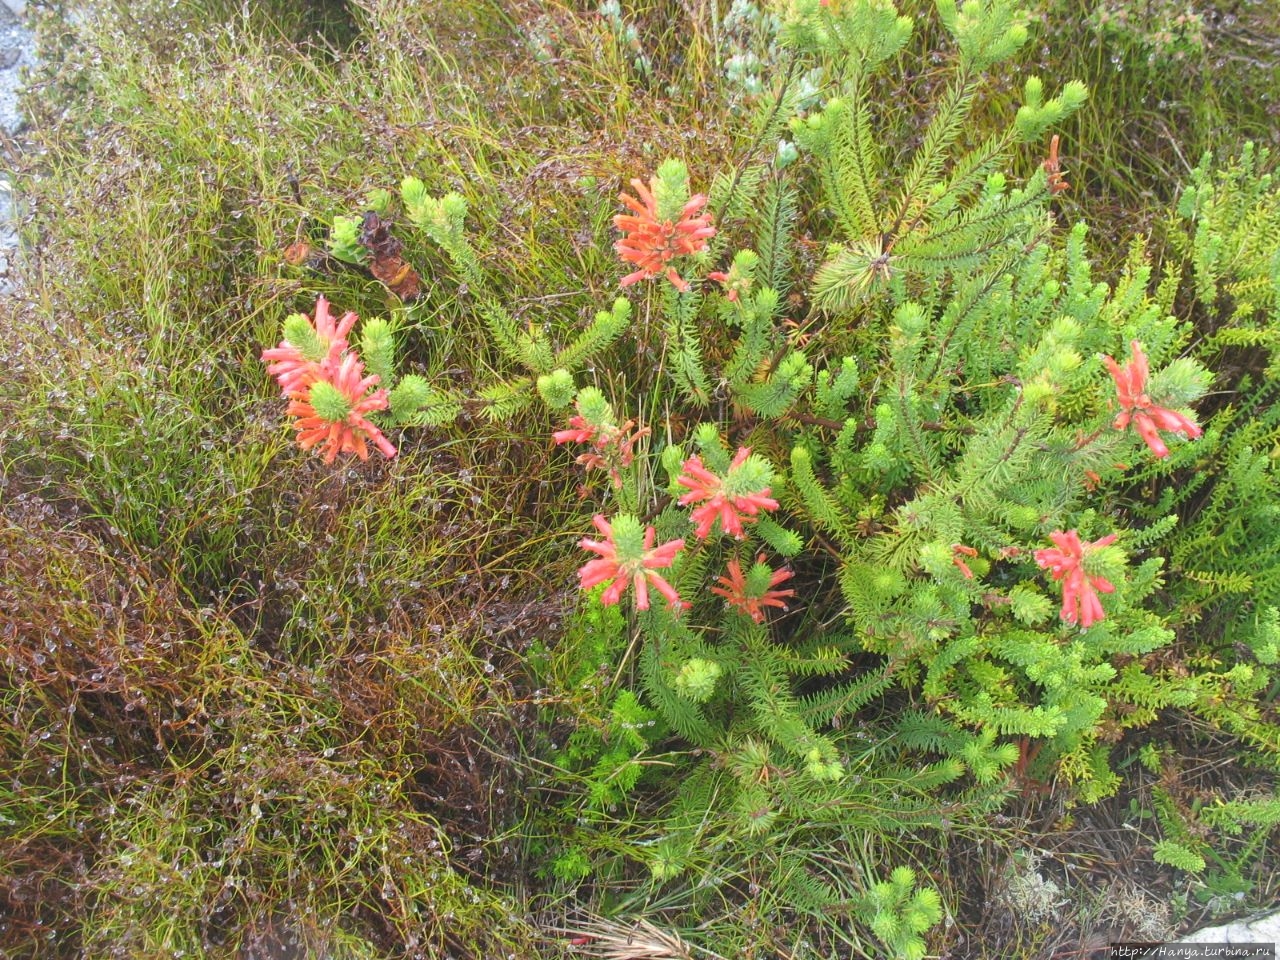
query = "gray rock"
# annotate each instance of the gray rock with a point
(1265, 929)
(17, 50)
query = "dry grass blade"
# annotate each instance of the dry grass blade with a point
(634, 940)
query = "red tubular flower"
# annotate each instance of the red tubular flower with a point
(612, 446)
(651, 243)
(958, 552)
(629, 558)
(719, 276)
(331, 412)
(735, 590)
(296, 370)
(1136, 406)
(724, 500)
(1080, 603)
(579, 432)
(1054, 169)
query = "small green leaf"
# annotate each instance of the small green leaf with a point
(1176, 855)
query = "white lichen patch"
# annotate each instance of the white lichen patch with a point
(1027, 894)
(1141, 917)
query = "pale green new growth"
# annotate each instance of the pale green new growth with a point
(950, 209)
(415, 402)
(344, 240)
(299, 333)
(557, 388)
(1232, 240)
(603, 330)
(378, 351)
(697, 679)
(671, 189)
(1177, 855)
(986, 31)
(900, 913)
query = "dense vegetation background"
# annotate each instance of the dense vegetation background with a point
(252, 704)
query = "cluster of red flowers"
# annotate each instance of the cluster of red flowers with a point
(327, 389)
(295, 372)
(738, 593)
(1080, 603)
(625, 560)
(626, 565)
(650, 243)
(613, 448)
(1136, 407)
(723, 501)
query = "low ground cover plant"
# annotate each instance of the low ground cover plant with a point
(588, 526)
